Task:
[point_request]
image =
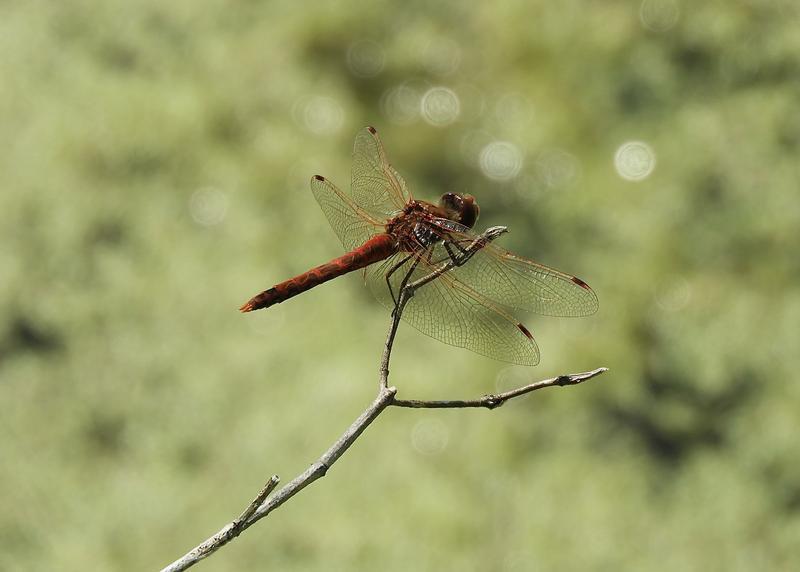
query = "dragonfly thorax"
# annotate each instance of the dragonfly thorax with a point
(426, 235)
(423, 224)
(414, 228)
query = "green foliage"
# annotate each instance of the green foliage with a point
(155, 173)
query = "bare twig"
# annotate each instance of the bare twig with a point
(491, 401)
(264, 504)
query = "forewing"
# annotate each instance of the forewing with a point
(351, 224)
(375, 186)
(519, 283)
(453, 313)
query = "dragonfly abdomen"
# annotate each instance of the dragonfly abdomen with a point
(377, 248)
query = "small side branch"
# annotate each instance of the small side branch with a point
(264, 504)
(492, 401)
(226, 534)
(257, 502)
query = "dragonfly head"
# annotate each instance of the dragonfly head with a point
(460, 208)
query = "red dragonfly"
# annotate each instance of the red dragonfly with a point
(469, 306)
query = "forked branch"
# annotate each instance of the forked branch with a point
(265, 502)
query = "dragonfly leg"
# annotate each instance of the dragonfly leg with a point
(459, 258)
(407, 277)
(392, 271)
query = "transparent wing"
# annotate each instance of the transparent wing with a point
(351, 224)
(519, 283)
(452, 312)
(375, 186)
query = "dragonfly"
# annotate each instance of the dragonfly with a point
(396, 240)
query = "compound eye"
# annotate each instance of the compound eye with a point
(451, 201)
(469, 211)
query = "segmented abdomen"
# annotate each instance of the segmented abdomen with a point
(376, 248)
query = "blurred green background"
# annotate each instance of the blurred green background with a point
(154, 176)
